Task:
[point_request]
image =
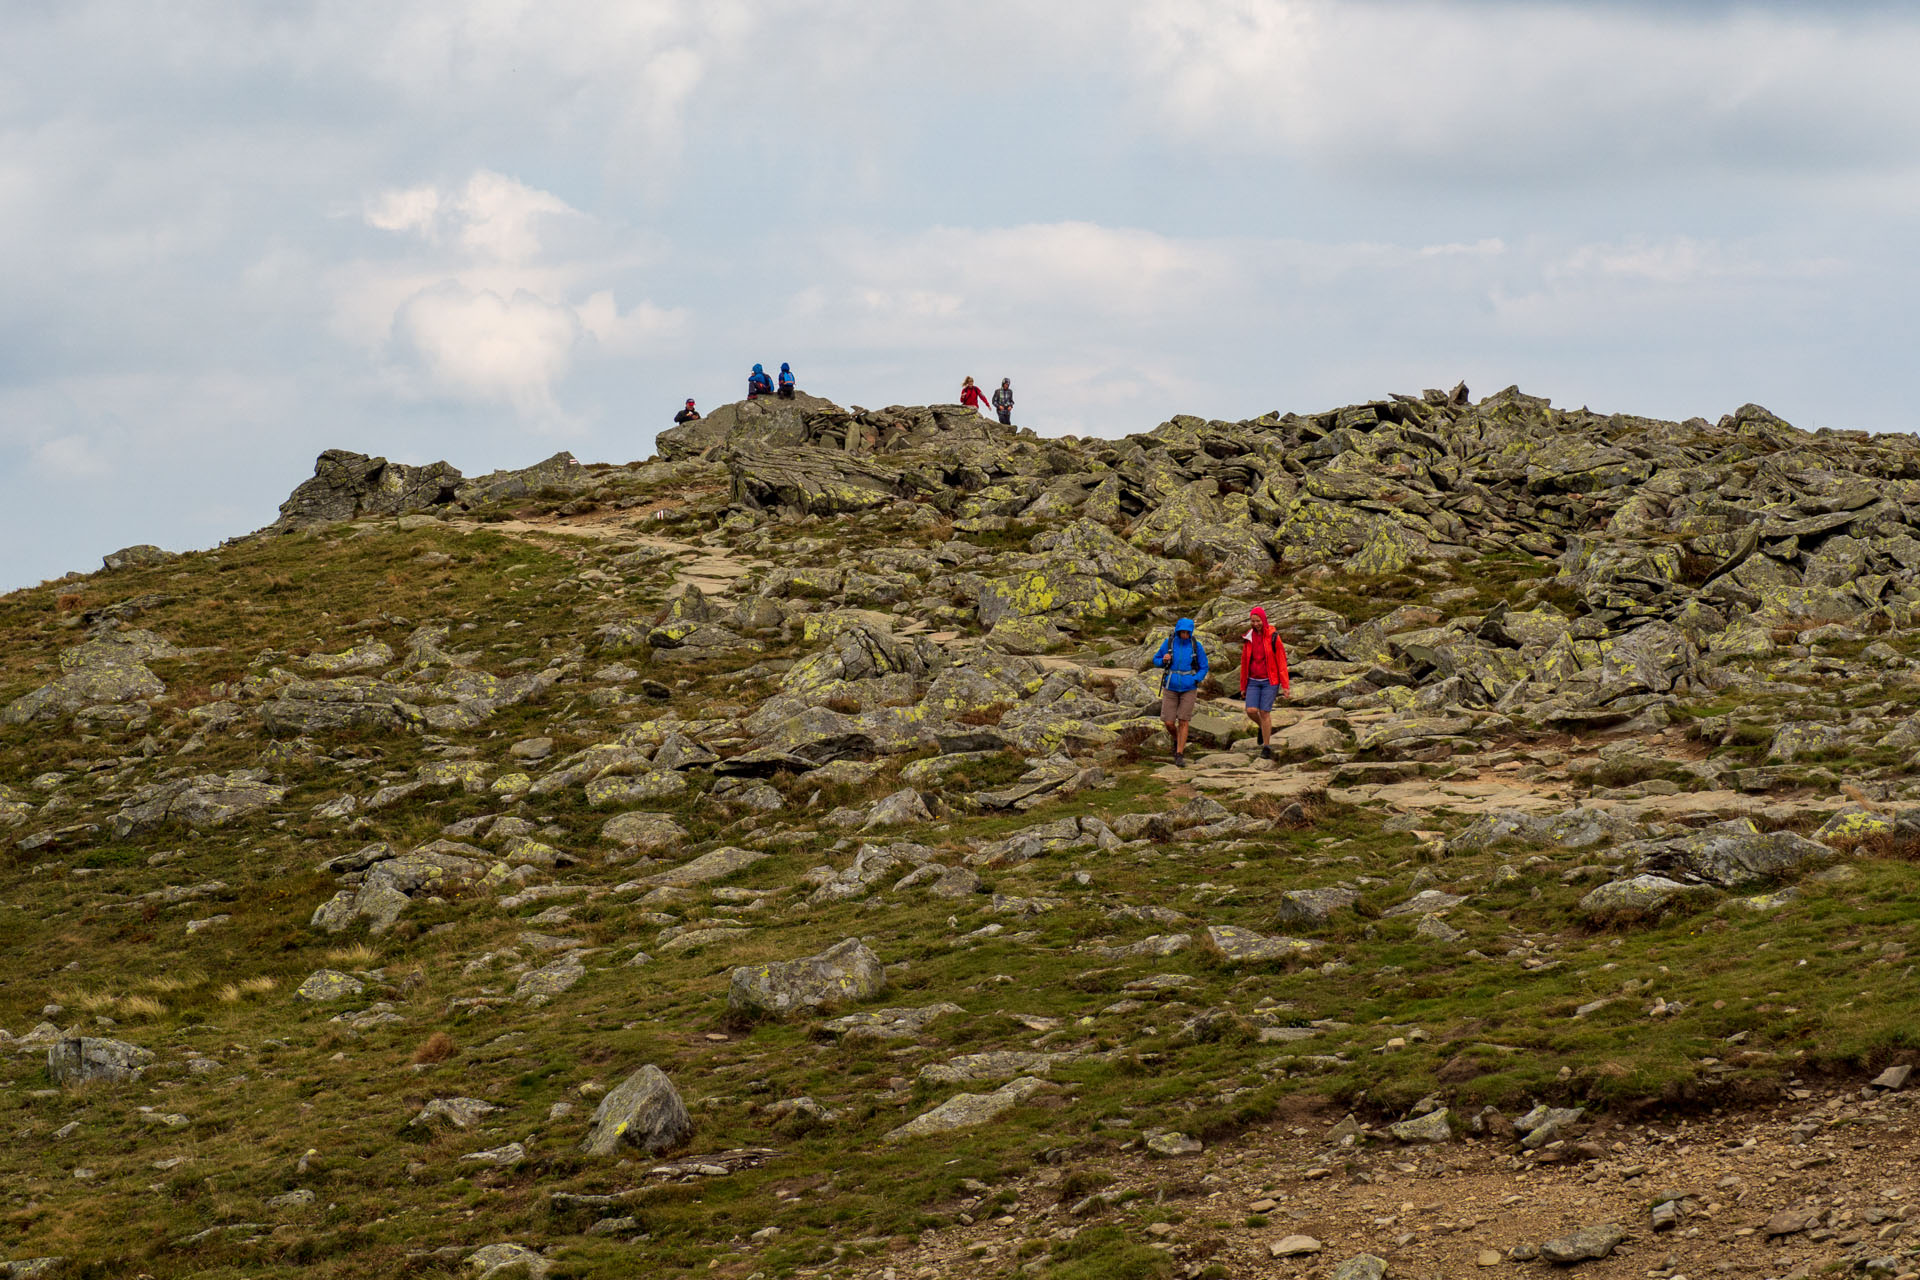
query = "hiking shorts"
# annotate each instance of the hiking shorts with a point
(1177, 708)
(1260, 694)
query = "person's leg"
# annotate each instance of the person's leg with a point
(1266, 730)
(1173, 733)
(1180, 742)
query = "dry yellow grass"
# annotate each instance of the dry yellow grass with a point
(357, 955)
(235, 992)
(140, 1007)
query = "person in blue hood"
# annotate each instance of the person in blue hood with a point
(1183, 669)
(786, 381)
(758, 383)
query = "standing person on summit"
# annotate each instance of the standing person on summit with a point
(786, 381)
(972, 397)
(1185, 661)
(1003, 401)
(1263, 672)
(758, 383)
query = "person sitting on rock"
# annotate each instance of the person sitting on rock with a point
(1183, 660)
(786, 381)
(1003, 401)
(1263, 672)
(972, 397)
(688, 414)
(758, 383)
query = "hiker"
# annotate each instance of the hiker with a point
(1185, 660)
(972, 396)
(758, 383)
(1263, 672)
(688, 414)
(786, 381)
(1003, 401)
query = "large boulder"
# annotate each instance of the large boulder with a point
(347, 485)
(643, 1111)
(969, 1110)
(1642, 897)
(86, 1059)
(766, 421)
(844, 973)
(209, 800)
(1734, 857)
(107, 671)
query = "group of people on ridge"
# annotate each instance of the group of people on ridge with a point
(974, 398)
(761, 383)
(1184, 668)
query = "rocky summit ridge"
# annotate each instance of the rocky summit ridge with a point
(764, 859)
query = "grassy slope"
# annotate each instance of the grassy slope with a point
(1820, 981)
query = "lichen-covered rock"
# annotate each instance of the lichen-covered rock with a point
(716, 864)
(1853, 825)
(143, 556)
(903, 808)
(654, 784)
(1312, 906)
(643, 1111)
(346, 485)
(461, 1113)
(1588, 1244)
(368, 655)
(326, 985)
(645, 832)
(1642, 897)
(85, 1059)
(889, 1024)
(107, 671)
(845, 973)
(1736, 857)
(208, 800)
(1435, 1126)
(1243, 946)
(968, 1110)
(1803, 738)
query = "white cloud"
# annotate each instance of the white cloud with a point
(70, 458)
(482, 346)
(486, 308)
(1503, 92)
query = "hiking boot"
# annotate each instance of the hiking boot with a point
(1180, 759)
(1266, 751)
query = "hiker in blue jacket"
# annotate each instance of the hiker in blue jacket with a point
(758, 383)
(1183, 663)
(786, 381)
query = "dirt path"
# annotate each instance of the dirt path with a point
(714, 572)
(1842, 1167)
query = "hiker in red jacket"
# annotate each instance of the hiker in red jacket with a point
(1263, 672)
(973, 397)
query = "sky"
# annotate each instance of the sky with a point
(233, 235)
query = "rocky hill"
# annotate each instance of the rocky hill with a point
(765, 860)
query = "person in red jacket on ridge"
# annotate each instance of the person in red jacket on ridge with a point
(1263, 672)
(972, 397)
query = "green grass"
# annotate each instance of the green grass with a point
(1818, 984)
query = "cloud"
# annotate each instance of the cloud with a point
(479, 345)
(491, 304)
(1522, 92)
(70, 458)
